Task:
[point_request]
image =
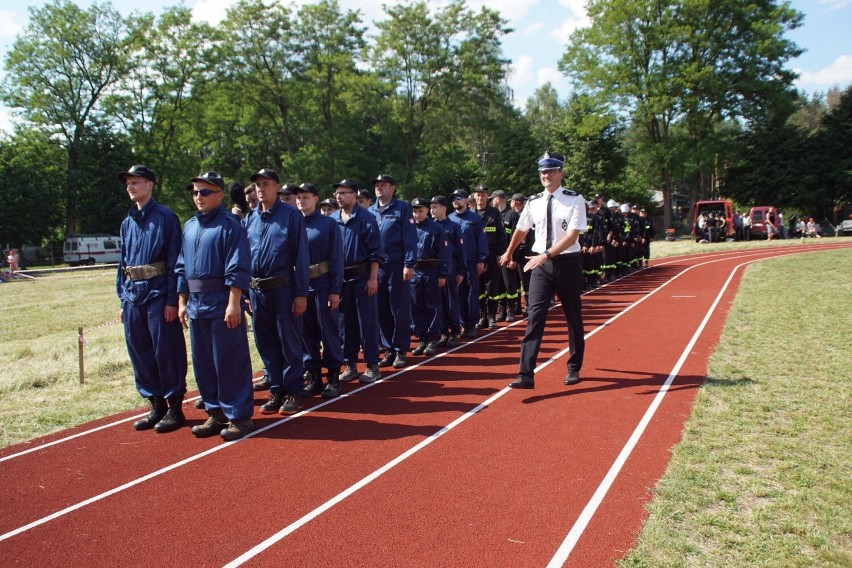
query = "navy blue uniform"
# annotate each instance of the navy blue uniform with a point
(476, 250)
(458, 267)
(396, 227)
(215, 257)
(433, 262)
(359, 316)
(279, 248)
(322, 325)
(157, 349)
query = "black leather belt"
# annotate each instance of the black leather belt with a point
(206, 285)
(262, 284)
(427, 263)
(355, 270)
(565, 255)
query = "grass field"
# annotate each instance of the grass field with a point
(763, 473)
(760, 478)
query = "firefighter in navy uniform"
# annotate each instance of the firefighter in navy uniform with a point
(614, 239)
(491, 282)
(520, 255)
(439, 206)
(508, 305)
(598, 229)
(431, 271)
(476, 252)
(647, 236)
(321, 322)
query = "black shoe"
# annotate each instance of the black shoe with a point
(350, 373)
(199, 404)
(292, 403)
(313, 383)
(400, 360)
(522, 382)
(492, 322)
(442, 341)
(388, 359)
(453, 341)
(469, 332)
(421, 347)
(483, 322)
(431, 348)
(273, 405)
(263, 384)
(158, 410)
(174, 418)
(332, 388)
(572, 378)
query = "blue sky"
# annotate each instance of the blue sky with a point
(541, 29)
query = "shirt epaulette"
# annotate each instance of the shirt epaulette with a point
(536, 196)
(569, 192)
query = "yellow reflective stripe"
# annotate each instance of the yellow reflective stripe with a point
(490, 229)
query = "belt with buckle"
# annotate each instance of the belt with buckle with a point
(145, 271)
(427, 263)
(205, 285)
(262, 284)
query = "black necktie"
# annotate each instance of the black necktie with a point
(549, 242)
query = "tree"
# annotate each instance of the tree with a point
(58, 72)
(692, 63)
(541, 111)
(443, 71)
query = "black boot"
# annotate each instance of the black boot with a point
(501, 310)
(174, 418)
(332, 389)
(492, 314)
(313, 383)
(511, 307)
(158, 410)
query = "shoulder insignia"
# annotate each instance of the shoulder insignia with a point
(569, 192)
(536, 196)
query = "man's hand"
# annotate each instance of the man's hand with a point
(480, 268)
(442, 282)
(233, 315)
(504, 259)
(300, 304)
(333, 301)
(372, 286)
(407, 274)
(535, 261)
(459, 279)
(170, 313)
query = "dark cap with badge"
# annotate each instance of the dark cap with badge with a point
(460, 193)
(364, 193)
(551, 160)
(138, 171)
(498, 193)
(288, 189)
(330, 202)
(481, 189)
(519, 197)
(346, 183)
(266, 173)
(306, 188)
(440, 200)
(210, 177)
(420, 202)
(384, 177)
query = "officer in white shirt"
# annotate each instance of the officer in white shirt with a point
(559, 216)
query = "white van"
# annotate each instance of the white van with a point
(89, 249)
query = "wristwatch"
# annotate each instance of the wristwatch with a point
(547, 254)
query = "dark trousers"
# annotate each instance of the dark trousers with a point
(321, 326)
(562, 275)
(394, 304)
(157, 349)
(469, 297)
(278, 336)
(426, 313)
(222, 366)
(359, 321)
(450, 304)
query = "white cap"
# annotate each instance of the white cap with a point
(612, 203)
(625, 208)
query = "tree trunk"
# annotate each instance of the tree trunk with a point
(71, 190)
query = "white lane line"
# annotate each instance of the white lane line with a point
(118, 422)
(591, 507)
(213, 450)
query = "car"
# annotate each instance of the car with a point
(844, 229)
(759, 217)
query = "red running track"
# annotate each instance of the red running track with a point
(437, 465)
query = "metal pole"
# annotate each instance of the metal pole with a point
(81, 342)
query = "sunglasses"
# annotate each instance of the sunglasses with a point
(203, 192)
(457, 198)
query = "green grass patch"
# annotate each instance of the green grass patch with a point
(762, 474)
(40, 390)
